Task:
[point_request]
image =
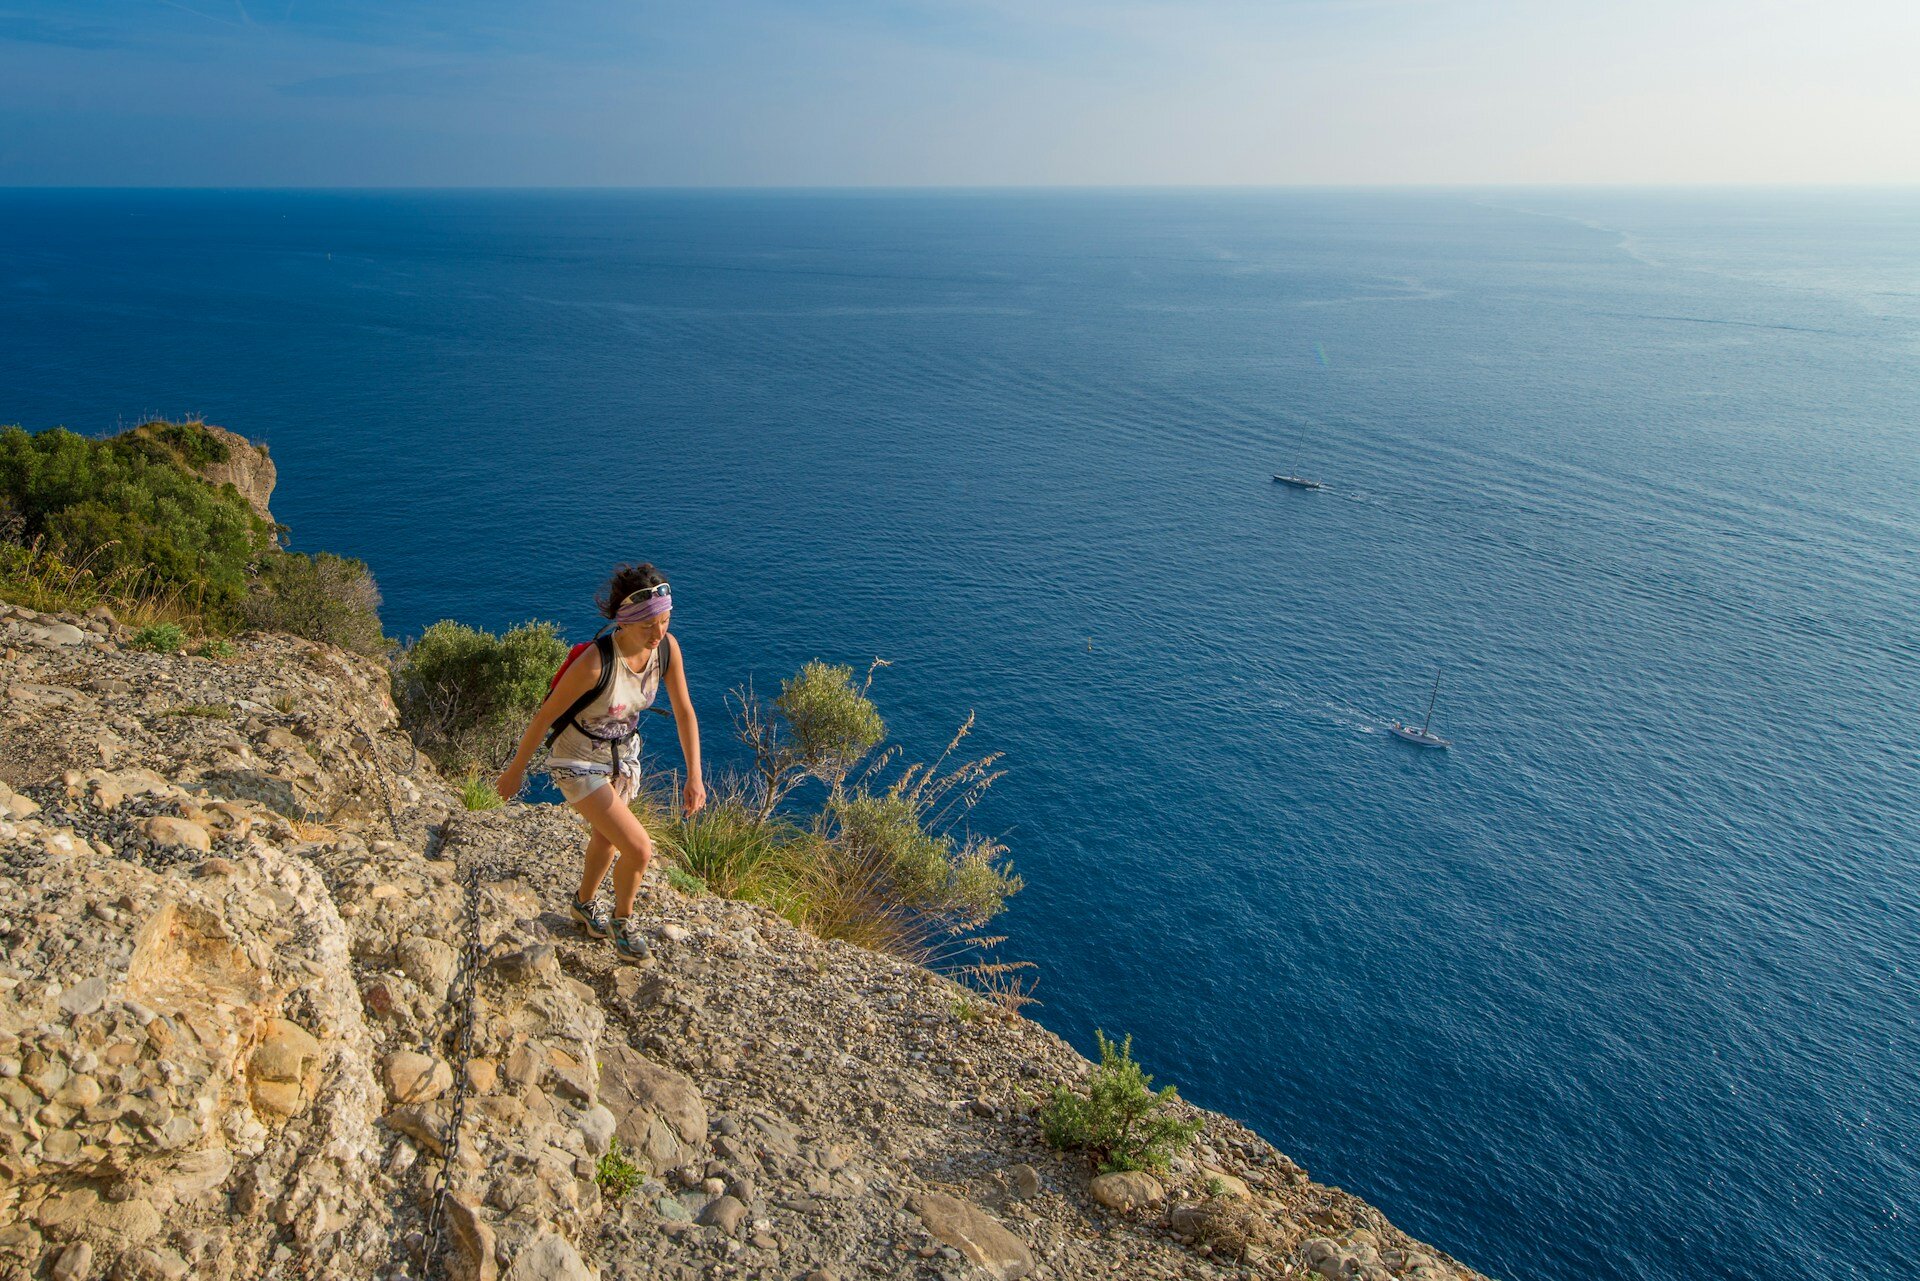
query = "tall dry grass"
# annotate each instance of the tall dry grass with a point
(34, 575)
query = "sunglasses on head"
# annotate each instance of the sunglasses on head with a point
(648, 593)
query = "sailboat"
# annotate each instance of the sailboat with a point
(1298, 482)
(1424, 736)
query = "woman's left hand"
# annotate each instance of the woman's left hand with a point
(693, 798)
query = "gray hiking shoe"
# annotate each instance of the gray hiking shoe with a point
(594, 919)
(628, 940)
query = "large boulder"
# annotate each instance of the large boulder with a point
(661, 1116)
(974, 1233)
(1127, 1190)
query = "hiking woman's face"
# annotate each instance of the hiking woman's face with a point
(647, 633)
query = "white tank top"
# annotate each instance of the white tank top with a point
(615, 714)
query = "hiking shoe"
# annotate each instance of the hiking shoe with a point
(628, 941)
(594, 919)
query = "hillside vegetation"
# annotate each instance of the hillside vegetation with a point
(149, 524)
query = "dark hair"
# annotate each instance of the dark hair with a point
(627, 580)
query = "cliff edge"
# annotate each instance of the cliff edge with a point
(266, 989)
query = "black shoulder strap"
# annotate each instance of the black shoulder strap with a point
(603, 645)
(666, 665)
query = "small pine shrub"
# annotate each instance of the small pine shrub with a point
(465, 694)
(160, 638)
(1121, 1123)
(323, 597)
(617, 1174)
(477, 793)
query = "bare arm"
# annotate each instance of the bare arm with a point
(581, 676)
(695, 795)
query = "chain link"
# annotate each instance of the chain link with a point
(460, 1053)
(380, 777)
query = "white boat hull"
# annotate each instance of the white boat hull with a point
(1423, 737)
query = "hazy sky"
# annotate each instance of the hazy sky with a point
(699, 92)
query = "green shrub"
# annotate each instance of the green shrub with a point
(820, 727)
(478, 793)
(924, 871)
(616, 1173)
(132, 514)
(1120, 1123)
(323, 597)
(160, 638)
(723, 846)
(466, 695)
(686, 882)
(217, 647)
(878, 863)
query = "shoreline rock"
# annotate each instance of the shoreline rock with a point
(234, 945)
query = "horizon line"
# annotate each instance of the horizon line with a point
(794, 188)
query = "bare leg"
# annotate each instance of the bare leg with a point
(600, 855)
(615, 824)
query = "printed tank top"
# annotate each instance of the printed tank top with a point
(615, 713)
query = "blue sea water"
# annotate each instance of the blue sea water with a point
(1622, 985)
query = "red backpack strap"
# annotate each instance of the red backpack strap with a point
(603, 643)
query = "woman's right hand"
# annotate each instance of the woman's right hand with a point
(509, 783)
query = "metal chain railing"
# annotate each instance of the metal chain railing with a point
(459, 1054)
(380, 777)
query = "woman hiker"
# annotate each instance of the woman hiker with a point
(591, 718)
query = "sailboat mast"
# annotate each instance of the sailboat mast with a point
(1431, 701)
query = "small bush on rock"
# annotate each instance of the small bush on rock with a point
(465, 694)
(477, 793)
(160, 638)
(724, 846)
(1121, 1123)
(323, 597)
(617, 1174)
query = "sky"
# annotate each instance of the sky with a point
(318, 93)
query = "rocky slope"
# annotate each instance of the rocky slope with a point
(242, 925)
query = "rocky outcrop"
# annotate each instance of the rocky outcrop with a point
(246, 467)
(266, 991)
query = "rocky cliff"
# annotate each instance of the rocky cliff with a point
(266, 989)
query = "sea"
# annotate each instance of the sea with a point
(1622, 984)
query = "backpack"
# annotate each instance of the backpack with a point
(603, 643)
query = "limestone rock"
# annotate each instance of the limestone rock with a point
(74, 1264)
(661, 1114)
(597, 1125)
(527, 964)
(548, 1258)
(412, 1077)
(1127, 1190)
(1225, 1184)
(246, 467)
(283, 1069)
(429, 963)
(725, 1213)
(164, 829)
(975, 1233)
(470, 1255)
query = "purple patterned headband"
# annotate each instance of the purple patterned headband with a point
(639, 607)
